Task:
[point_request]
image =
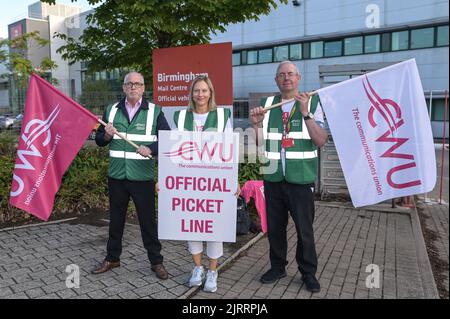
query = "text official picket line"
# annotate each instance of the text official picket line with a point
(382, 132)
(197, 175)
(54, 129)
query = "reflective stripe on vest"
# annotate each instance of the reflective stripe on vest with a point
(220, 120)
(112, 113)
(304, 135)
(127, 155)
(291, 155)
(301, 155)
(181, 119)
(148, 137)
(276, 136)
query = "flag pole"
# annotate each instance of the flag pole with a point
(286, 101)
(123, 137)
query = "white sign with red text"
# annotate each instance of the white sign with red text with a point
(197, 177)
(382, 132)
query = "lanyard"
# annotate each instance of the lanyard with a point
(287, 126)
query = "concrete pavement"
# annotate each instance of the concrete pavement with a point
(34, 260)
(348, 241)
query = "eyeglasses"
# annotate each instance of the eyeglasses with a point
(132, 85)
(286, 75)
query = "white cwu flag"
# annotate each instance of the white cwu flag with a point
(382, 132)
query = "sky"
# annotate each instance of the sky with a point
(18, 9)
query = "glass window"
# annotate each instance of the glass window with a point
(442, 35)
(316, 49)
(243, 57)
(386, 42)
(333, 48)
(265, 56)
(295, 51)
(252, 57)
(372, 43)
(353, 45)
(437, 111)
(422, 38)
(237, 58)
(281, 53)
(116, 74)
(400, 40)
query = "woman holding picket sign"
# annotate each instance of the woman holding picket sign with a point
(203, 115)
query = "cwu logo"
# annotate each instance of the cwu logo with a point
(391, 113)
(188, 149)
(33, 130)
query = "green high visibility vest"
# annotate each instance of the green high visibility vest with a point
(301, 159)
(124, 162)
(215, 121)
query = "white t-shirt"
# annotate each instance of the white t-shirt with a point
(318, 116)
(200, 120)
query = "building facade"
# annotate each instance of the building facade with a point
(329, 41)
(47, 20)
(333, 40)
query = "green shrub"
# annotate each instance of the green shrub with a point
(8, 142)
(249, 171)
(84, 186)
(7, 212)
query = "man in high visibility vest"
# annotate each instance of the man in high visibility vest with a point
(131, 173)
(291, 134)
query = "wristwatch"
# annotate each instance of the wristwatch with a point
(308, 116)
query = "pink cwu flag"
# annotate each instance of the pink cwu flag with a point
(54, 128)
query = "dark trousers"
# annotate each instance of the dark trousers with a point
(143, 195)
(283, 198)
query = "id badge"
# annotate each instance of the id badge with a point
(287, 142)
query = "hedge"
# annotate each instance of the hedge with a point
(84, 186)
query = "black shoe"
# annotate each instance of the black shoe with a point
(311, 283)
(272, 275)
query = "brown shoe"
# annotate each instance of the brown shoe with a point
(160, 271)
(105, 266)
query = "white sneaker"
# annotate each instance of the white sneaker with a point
(198, 274)
(211, 281)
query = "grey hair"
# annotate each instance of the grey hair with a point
(287, 62)
(125, 80)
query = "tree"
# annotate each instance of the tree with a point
(13, 55)
(122, 33)
(97, 95)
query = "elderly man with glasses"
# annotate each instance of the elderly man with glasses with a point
(131, 172)
(291, 134)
